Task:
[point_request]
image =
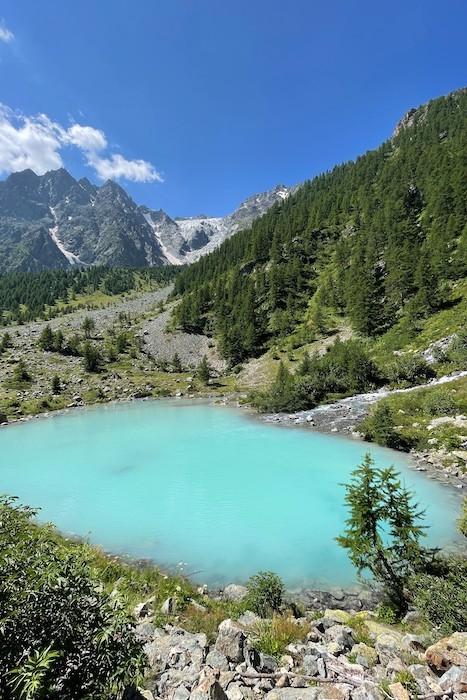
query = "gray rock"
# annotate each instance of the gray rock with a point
(217, 660)
(249, 619)
(367, 691)
(236, 691)
(455, 679)
(268, 663)
(235, 593)
(340, 635)
(310, 665)
(230, 641)
(208, 689)
(169, 606)
(366, 656)
(145, 631)
(180, 693)
(292, 694)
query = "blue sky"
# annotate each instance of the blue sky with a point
(194, 105)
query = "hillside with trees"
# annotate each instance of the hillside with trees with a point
(379, 244)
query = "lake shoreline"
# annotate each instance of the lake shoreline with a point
(339, 418)
(351, 598)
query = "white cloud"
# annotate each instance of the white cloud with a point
(5, 34)
(36, 142)
(28, 143)
(119, 167)
(87, 138)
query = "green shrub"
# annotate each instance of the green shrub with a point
(442, 599)
(462, 520)
(265, 593)
(439, 402)
(379, 427)
(272, 637)
(61, 635)
(411, 369)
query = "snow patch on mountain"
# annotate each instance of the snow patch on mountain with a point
(53, 231)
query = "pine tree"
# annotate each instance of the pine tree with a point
(204, 370)
(382, 533)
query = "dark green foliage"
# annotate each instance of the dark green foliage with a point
(462, 521)
(46, 339)
(344, 369)
(379, 427)
(27, 296)
(92, 358)
(56, 384)
(5, 342)
(63, 634)
(457, 350)
(21, 372)
(88, 326)
(382, 534)
(380, 239)
(442, 598)
(204, 370)
(265, 593)
(440, 402)
(177, 364)
(412, 369)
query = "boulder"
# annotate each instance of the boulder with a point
(235, 593)
(399, 692)
(208, 689)
(454, 679)
(217, 660)
(342, 636)
(236, 691)
(180, 693)
(145, 609)
(366, 691)
(268, 663)
(449, 651)
(249, 619)
(365, 655)
(340, 617)
(230, 641)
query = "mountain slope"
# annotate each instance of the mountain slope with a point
(186, 240)
(382, 241)
(52, 221)
(55, 221)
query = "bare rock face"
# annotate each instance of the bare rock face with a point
(407, 120)
(55, 221)
(231, 641)
(187, 239)
(448, 652)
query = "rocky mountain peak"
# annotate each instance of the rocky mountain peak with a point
(53, 220)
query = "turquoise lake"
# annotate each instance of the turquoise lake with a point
(204, 487)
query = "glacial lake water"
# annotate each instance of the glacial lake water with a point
(203, 487)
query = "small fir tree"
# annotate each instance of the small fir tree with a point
(88, 326)
(204, 370)
(383, 531)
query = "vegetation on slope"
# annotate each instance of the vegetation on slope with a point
(46, 294)
(381, 241)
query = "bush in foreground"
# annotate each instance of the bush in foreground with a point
(265, 593)
(61, 635)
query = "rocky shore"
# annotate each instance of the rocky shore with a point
(344, 416)
(339, 656)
